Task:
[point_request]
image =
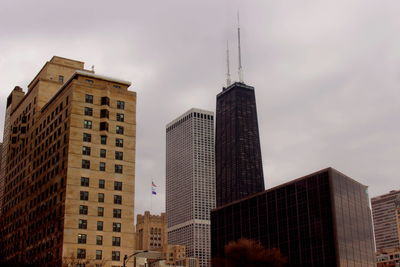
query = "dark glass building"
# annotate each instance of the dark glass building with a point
(322, 219)
(239, 171)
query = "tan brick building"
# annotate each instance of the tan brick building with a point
(68, 165)
(151, 231)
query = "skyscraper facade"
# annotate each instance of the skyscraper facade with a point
(190, 177)
(322, 219)
(239, 170)
(386, 214)
(68, 167)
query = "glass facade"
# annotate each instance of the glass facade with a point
(305, 220)
(239, 171)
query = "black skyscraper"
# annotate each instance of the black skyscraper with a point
(239, 171)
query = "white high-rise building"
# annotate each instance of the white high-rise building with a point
(190, 175)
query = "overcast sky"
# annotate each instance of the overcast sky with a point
(326, 73)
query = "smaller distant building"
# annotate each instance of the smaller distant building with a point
(386, 215)
(388, 258)
(151, 232)
(175, 255)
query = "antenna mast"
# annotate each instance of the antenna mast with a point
(240, 54)
(228, 73)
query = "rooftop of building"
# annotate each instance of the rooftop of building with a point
(192, 110)
(235, 85)
(328, 170)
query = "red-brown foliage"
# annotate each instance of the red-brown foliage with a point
(249, 253)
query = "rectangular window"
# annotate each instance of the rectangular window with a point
(117, 213)
(117, 199)
(85, 164)
(119, 129)
(60, 78)
(87, 137)
(119, 142)
(99, 240)
(120, 104)
(116, 241)
(88, 111)
(120, 117)
(115, 256)
(100, 211)
(103, 126)
(118, 168)
(86, 150)
(119, 155)
(101, 197)
(81, 239)
(99, 254)
(84, 195)
(102, 183)
(83, 209)
(84, 181)
(102, 166)
(82, 224)
(99, 226)
(81, 253)
(103, 139)
(103, 153)
(118, 186)
(105, 101)
(116, 227)
(104, 113)
(89, 99)
(87, 124)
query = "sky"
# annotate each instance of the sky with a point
(326, 74)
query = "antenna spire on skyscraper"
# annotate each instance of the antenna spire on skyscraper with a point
(228, 73)
(240, 71)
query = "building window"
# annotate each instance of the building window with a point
(99, 226)
(101, 197)
(99, 254)
(116, 241)
(103, 126)
(118, 168)
(119, 155)
(88, 111)
(102, 183)
(117, 213)
(104, 113)
(99, 240)
(87, 137)
(86, 150)
(120, 104)
(83, 209)
(60, 78)
(117, 199)
(85, 164)
(118, 186)
(84, 181)
(119, 142)
(120, 117)
(115, 256)
(103, 153)
(82, 224)
(87, 124)
(100, 211)
(116, 227)
(84, 195)
(81, 239)
(103, 139)
(89, 99)
(119, 129)
(102, 166)
(105, 101)
(81, 253)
